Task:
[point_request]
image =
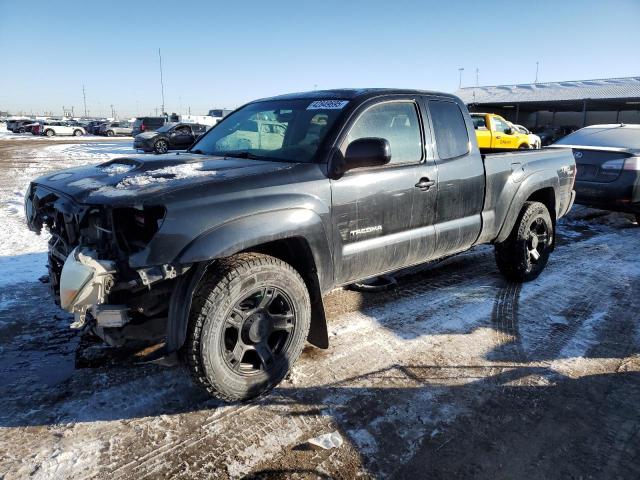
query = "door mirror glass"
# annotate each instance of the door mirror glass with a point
(367, 152)
(508, 131)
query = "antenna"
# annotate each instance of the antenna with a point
(536, 80)
(161, 82)
(461, 69)
(84, 98)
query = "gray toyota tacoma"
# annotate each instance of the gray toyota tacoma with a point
(222, 254)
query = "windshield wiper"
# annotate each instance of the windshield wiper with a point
(241, 154)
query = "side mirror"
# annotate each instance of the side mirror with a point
(367, 152)
(509, 131)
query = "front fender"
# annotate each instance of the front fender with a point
(250, 231)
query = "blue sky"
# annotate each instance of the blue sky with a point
(222, 54)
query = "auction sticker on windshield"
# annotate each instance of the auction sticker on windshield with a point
(327, 104)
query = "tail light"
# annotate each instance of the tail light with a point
(632, 163)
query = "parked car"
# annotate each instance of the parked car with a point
(534, 140)
(57, 127)
(93, 128)
(494, 133)
(229, 248)
(18, 126)
(608, 162)
(147, 124)
(549, 135)
(111, 129)
(31, 128)
(171, 136)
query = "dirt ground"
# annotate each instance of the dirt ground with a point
(455, 374)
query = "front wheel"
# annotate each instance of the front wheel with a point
(77, 133)
(248, 324)
(161, 146)
(49, 133)
(525, 253)
(110, 133)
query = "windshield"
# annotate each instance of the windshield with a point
(166, 127)
(289, 130)
(616, 136)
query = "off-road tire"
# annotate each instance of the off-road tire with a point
(513, 255)
(77, 133)
(161, 146)
(225, 284)
(49, 133)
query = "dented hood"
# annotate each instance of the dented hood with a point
(141, 176)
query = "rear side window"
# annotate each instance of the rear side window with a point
(452, 138)
(397, 122)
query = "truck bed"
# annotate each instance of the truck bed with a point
(509, 176)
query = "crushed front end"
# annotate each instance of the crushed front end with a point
(89, 272)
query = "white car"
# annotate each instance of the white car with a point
(534, 140)
(53, 127)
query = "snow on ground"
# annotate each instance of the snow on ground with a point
(456, 374)
(22, 252)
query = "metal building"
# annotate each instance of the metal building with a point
(560, 104)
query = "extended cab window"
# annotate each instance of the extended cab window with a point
(452, 138)
(397, 122)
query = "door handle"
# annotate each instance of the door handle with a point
(498, 137)
(425, 184)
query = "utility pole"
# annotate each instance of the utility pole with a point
(84, 99)
(113, 114)
(73, 115)
(477, 77)
(536, 80)
(461, 69)
(161, 81)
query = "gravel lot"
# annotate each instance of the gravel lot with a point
(456, 374)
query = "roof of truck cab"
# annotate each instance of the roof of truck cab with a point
(352, 93)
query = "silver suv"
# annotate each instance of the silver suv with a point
(116, 128)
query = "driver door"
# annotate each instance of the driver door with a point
(373, 207)
(501, 138)
(182, 137)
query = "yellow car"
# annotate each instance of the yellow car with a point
(495, 133)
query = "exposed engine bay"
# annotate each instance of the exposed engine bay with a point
(89, 273)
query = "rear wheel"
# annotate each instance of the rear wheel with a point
(248, 324)
(77, 133)
(525, 253)
(110, 133)
(524, 146)
(49, 133)
(161, 146)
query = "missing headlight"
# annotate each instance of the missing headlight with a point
(135, 227)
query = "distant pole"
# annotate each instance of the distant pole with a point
(113, 115)
(189, 110)
(161, 81)
(537, 65)
(477, 77)
(84, 98)
(460, 82)
(73, 115)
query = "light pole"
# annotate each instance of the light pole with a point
(161, 81)
(84, 98)
(461, 69)
(536, 80)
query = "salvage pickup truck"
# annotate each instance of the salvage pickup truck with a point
(223, 253)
